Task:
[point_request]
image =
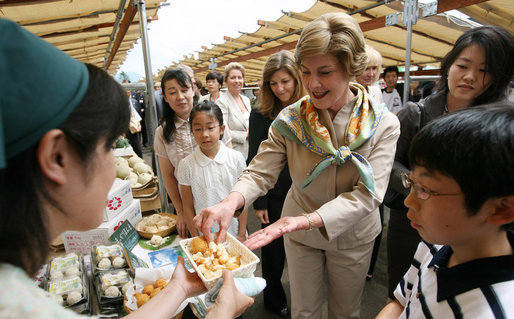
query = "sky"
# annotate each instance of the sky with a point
(184, 26)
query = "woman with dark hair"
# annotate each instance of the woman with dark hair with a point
(174, 139)
(58, 127)
(214, 82)
(476, 71)
(281, 86)
(339, 146)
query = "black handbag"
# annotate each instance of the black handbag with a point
(392, 198)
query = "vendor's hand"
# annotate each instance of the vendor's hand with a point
(181, 225)
(183, 279)
(221, 213)
(230, 302)
(262, 215)
(266, 235)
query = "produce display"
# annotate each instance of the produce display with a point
(160, 224)
(212, 258)
(149, 291)
(209, 259)
(134, 170)
(156, 222)
(111, 276)
(67, 282)
(109, 257)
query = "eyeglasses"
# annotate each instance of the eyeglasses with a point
(421, 192)
(198, 130)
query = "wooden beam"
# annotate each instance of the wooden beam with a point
(126, 21)
(372, 24)
(255, 55)
(14, 3)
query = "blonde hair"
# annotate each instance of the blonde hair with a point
(269, 104)
(375, 59)
(233, 66)
(338, 34)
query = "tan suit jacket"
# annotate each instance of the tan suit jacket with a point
(349, 211)
(236, 120)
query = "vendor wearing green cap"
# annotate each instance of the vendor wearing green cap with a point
(59, 119)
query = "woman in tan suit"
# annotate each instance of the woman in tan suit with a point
(236, 107)
(339, 145)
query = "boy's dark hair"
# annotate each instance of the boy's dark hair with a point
(168, 115)
(392, 68)
(215, 76)
(475, 147)
(102, 116)
(209, 107)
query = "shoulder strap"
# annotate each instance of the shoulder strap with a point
(422, 120)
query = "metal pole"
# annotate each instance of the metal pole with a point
(119, 15)
(150, 96)
(409, 17)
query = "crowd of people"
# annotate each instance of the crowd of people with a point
(318, 154)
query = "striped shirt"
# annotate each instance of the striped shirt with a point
(482, 288)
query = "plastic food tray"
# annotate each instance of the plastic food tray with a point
(248, 266)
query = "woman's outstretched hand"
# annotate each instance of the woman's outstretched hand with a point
(265, 236)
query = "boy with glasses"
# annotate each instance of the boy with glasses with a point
(462, 204)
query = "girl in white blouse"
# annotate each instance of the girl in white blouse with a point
(208, 174)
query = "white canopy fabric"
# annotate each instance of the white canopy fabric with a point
(83, 28)
(432, 36)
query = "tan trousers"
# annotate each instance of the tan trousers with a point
(346, 272)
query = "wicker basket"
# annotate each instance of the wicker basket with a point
(161, 233)
(249, 260)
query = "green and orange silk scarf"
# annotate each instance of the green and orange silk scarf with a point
(299, 122)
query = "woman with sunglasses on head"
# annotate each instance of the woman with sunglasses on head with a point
(281, 86)
(476, 71)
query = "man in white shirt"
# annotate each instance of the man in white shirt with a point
(392, 96)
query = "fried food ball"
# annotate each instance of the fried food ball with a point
(148, 289)
(155, 292)
(160, 283)
(198, 244)
(142, 299)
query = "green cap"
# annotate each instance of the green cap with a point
(41, 86)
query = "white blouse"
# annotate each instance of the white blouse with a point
(211, 180)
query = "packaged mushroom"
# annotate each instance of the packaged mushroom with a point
(108, 257)
(70, 290)
(110, 287)
(65, 267)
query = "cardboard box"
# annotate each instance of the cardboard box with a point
(75, 241)
(118, 199)
(124, 152)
